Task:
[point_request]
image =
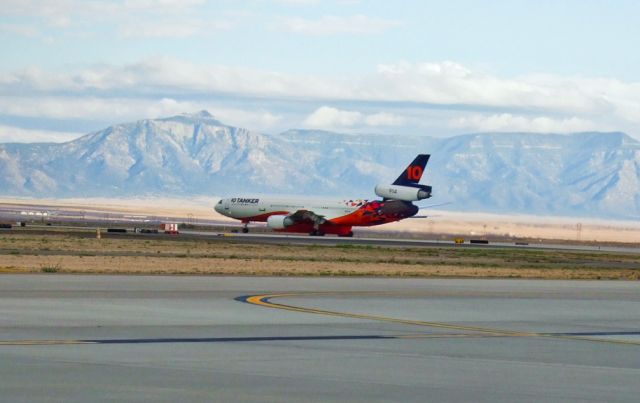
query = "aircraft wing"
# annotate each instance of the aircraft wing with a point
(308, 216)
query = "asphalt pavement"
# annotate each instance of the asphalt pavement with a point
(152, 338)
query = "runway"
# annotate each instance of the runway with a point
(395, 242)
(137, 338)
(77, 219)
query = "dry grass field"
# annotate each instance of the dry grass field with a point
(25, 252)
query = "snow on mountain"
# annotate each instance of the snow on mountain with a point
(585, 174)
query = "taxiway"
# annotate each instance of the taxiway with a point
(139, 338)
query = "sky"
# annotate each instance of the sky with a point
(436, 68)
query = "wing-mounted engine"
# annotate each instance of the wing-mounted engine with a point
(284, 221)
(279, 221)
(404, 193)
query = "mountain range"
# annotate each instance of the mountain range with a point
(582, 174)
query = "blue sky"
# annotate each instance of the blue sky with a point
(418, 67)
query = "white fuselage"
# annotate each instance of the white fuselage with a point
(259, 208)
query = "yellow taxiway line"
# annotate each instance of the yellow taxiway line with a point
(264, 300)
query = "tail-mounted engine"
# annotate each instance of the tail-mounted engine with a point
(404, 193)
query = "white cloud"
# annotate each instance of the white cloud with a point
(454, 84)
(254, 120)
(60, 13)
(331, 24)
(161, 4)
(151, 29)
(130, 18)
(298, 2)
(94, 108)
(115, 110)
(9, 134)
(161, 75)
(506, 122)
(326, 117)
(174, 27)
(445, 83)
(60, 10)
(315, 2)
(129, 91)
(384, 119)
(25, 30)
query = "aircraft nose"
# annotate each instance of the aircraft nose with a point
(218, 207)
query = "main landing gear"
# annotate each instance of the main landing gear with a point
(245, 228)
(316, 228)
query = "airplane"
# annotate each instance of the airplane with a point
(338, 217)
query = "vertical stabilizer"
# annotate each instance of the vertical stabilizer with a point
(412, 175)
